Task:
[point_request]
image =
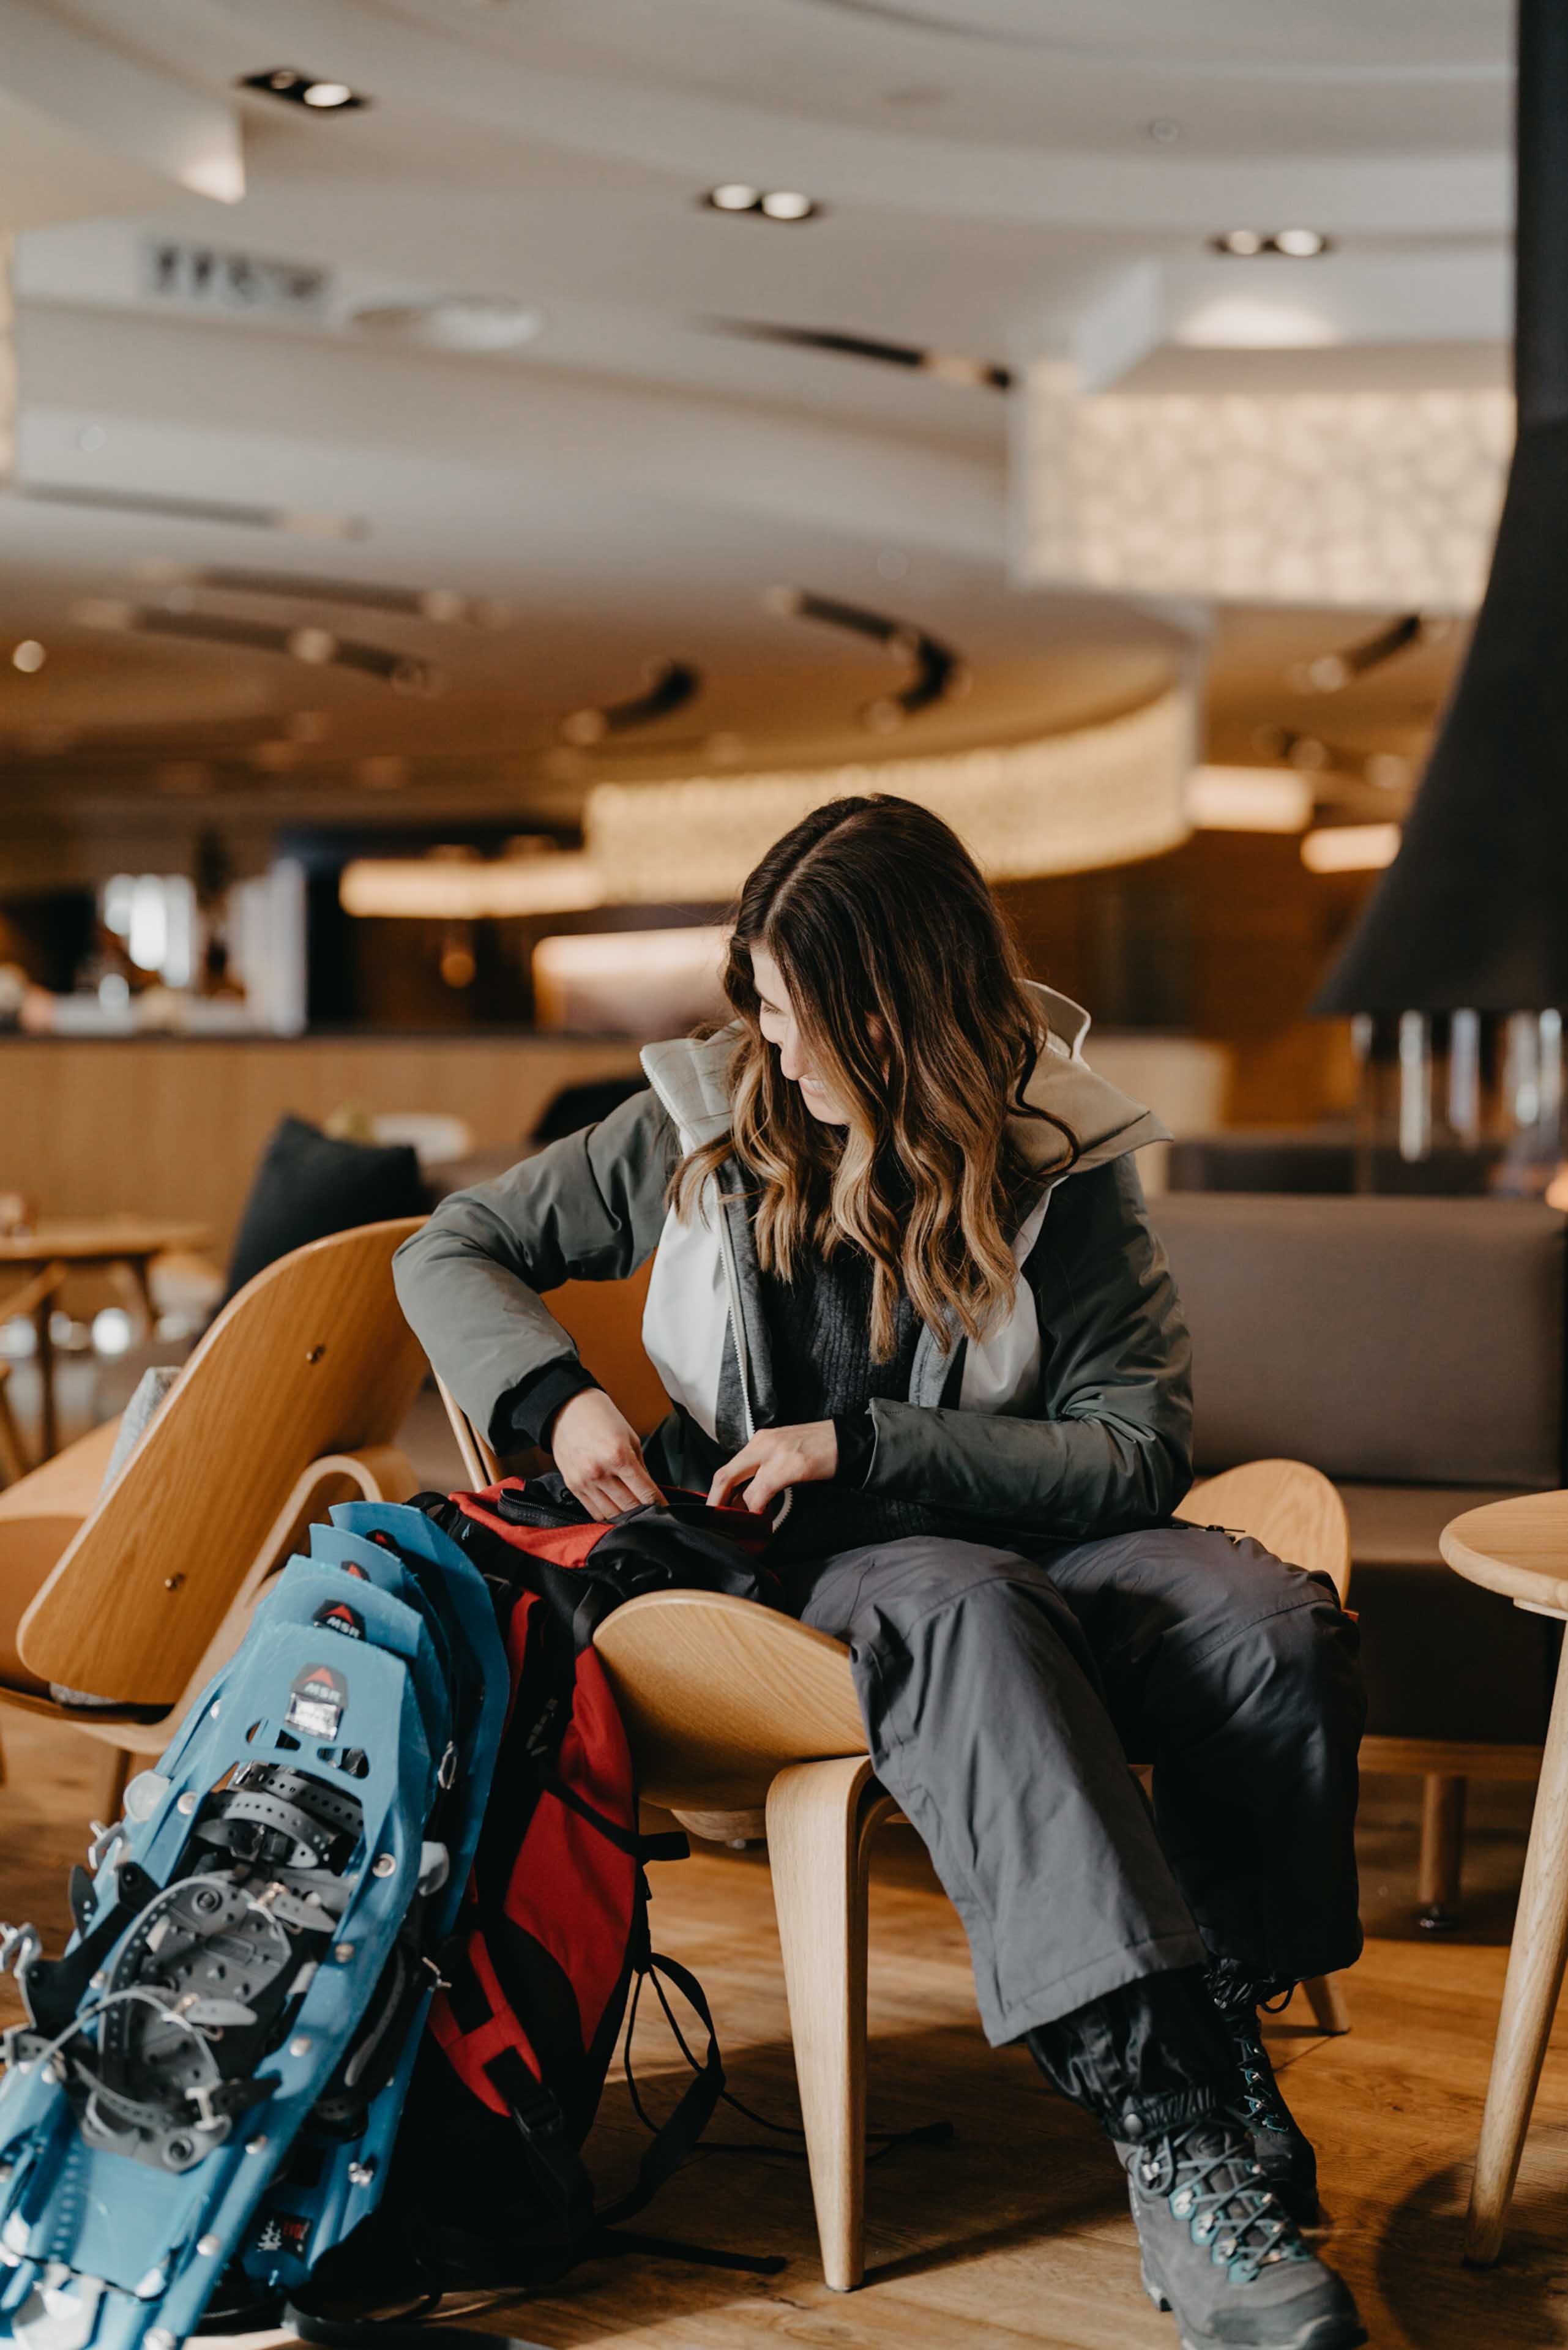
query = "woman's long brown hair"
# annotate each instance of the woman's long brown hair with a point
(894, 952)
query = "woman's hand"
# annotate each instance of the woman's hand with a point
(777, 1457)
(597, 1451)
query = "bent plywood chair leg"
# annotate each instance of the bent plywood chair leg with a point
(1326, 2001)
(820, 1817)
(113, 1771)
(1535, 1964)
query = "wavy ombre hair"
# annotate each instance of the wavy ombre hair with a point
(908, 991)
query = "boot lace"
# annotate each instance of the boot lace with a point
(1261, 2098)
(1208, 2180)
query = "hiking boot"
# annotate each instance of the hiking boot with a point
(1220, 2251)
(1279, 2142)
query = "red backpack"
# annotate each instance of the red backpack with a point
(488, 2186)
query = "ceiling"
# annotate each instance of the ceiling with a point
(1000, 180)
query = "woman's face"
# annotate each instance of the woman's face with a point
(779, 1028)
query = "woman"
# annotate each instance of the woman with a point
(904, 1295)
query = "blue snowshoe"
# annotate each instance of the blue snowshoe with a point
(210, 2079)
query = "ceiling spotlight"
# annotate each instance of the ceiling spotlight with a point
(1242, 242)
(787, 204)
(29, 657)
(773, 204)
(303, 89)
(1300, 243)
(317, 646)
(1165, 130)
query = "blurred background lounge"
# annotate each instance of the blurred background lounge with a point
(473, 472)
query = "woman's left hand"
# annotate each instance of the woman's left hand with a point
(777, 1457)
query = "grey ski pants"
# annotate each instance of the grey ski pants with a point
(1004, 1698)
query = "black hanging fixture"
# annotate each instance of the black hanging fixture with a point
(1473, 912)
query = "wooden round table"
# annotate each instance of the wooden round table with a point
(1519, 1548)
(86, 1244)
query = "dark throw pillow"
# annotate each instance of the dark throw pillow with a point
(306, 1186)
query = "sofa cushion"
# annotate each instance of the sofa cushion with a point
(1442, 1657)
(1398, 1525)
(1384, 1340)
(308, 1186)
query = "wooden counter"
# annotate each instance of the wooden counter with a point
(173, 1126)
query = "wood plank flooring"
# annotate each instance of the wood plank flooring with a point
(1016, 2232)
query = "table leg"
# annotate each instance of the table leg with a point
(140, 1271)
(43, 1357)
(1535, 1964)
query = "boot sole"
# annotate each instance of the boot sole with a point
(1320, 2333)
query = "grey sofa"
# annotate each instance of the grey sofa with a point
(1414, 1350)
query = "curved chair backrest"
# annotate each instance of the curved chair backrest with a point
(1291, 1509)
(312, 1357)
(604, 1321)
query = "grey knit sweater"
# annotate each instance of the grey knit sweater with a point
(819, 1334)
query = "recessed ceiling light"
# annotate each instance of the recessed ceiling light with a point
(772, 203)
(787, 204)
(322, 97)
(29, 657)
(1295, 244)
(1165, 130)
(1300, 243)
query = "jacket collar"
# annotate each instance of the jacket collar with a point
(691, 1076)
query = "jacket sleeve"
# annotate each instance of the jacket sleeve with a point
(588, 1208)
(1110, 1448)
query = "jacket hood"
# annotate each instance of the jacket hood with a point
(690, 1077)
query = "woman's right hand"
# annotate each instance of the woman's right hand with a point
(596, 1451)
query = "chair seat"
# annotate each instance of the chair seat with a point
(719, 1695)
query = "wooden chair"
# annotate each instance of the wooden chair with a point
(743, 1723)
(23, 1304)
(292, 1401)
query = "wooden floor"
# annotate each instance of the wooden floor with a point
(1017, 2231)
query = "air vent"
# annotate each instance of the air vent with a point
(210, 277)
(948, 366)
(175, 509)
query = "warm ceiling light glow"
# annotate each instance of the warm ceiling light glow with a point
(734, 196)
(466, 890)
(327, 94)
(630, 954)
(1350, 847)
(1248, 799)
(1242, 242)
(29, 657)
(787, 204)
(1064, 802)
(1300, 243)
(1250, 322)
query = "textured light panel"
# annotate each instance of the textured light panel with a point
(1375, 499)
